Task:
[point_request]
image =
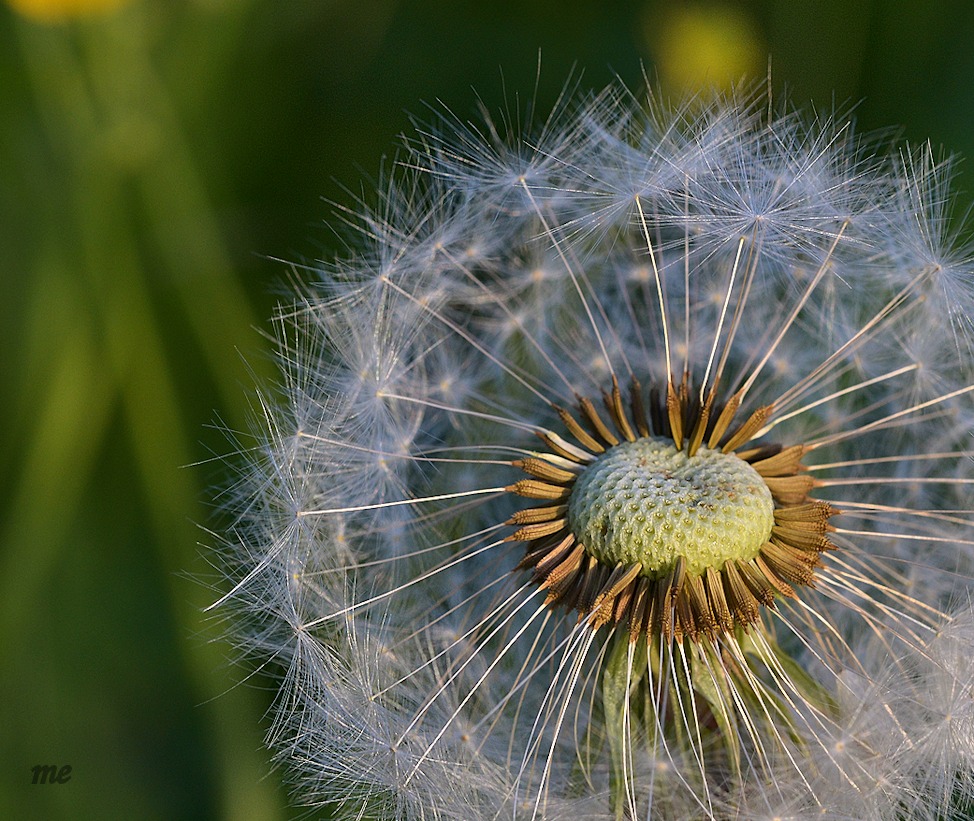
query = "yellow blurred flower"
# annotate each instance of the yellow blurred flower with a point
(56, 11)
(704, 45)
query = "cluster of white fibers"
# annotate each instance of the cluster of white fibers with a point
(462, 637)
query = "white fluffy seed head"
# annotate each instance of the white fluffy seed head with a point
(502, 275)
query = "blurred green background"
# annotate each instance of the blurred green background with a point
(156, 158)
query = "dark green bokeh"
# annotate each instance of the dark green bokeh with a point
(152, 163)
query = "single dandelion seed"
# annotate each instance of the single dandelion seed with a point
(623, 472)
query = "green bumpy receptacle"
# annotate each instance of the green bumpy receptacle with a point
(647, 502)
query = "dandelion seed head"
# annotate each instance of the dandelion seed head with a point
(622, 470)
